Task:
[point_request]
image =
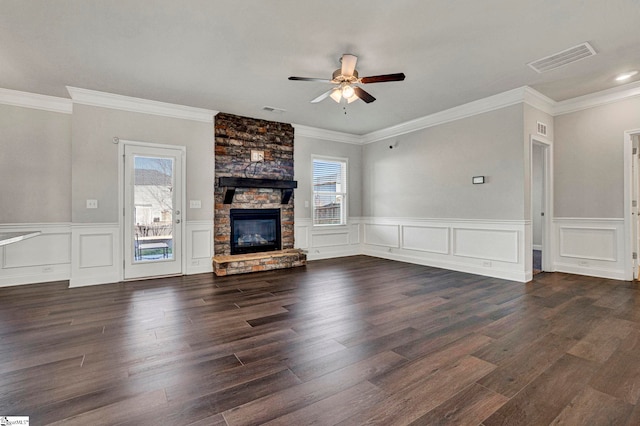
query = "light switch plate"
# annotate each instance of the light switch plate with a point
(92, 204)
(195, 204)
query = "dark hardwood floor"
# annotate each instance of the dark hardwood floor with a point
(349, 341)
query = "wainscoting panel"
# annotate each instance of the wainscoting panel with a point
(45, 249)
(433, 239)
(44, 258)
(325, 242)
(590, 246)
(354, 233)
(588, 243)
(199, 244)
(488, 244)
(301, 234)
(96, 251)
(378, 234)
(330, 239)
(486, 247)
(95, 254)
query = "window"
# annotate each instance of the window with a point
(329, 191)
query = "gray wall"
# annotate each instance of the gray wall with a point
(35, 166)
(589, 162)
(303, 150)
(95, 158)
(428, 174)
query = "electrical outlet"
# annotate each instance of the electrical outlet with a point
(195, 262)
(92, 204)
(47, 269)
(195, 204)
(486, 264)
(583, 263)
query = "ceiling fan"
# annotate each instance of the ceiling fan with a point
(346, 80)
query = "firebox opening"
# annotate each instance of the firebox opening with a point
(255, 230)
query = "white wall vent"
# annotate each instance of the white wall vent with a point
(560, 59)
(542, 129)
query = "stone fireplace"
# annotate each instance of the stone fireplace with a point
(261, 186)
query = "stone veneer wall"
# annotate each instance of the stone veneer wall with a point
(235, 137)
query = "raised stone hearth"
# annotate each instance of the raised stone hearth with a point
(256, 262)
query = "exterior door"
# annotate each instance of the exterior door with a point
(153, 200)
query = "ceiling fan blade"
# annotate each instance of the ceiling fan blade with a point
(382, 78)
(363, 95)
(322, 97)
(323, 80)
(348, 64)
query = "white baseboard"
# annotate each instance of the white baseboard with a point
(589, 271)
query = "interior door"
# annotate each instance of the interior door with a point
(152, 211)
(538, 205)
(634, 205)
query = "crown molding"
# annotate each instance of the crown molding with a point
(603, 97)
(35, 101)
(327, 135)
(480, 106)
(145, 106)
(537, 100)
(523, 94)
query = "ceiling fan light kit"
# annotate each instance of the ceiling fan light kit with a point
(347, 82)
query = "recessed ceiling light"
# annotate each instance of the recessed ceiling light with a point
(626, 75)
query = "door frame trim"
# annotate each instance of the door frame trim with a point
(122, 143)
(628, 198)
(548, 243)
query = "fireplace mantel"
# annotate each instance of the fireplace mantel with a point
(231, 183)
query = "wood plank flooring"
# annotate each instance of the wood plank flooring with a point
(348, 341)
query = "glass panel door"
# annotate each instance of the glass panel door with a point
(152, 211)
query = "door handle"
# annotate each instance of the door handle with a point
(177, 220)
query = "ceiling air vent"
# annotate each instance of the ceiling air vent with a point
(563, 58)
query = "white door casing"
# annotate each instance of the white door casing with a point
(630, 211)
(152, 222)
(547, 199)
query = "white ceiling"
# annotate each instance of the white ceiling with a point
(235, 56)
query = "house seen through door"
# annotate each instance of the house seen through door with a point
(152, 211)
